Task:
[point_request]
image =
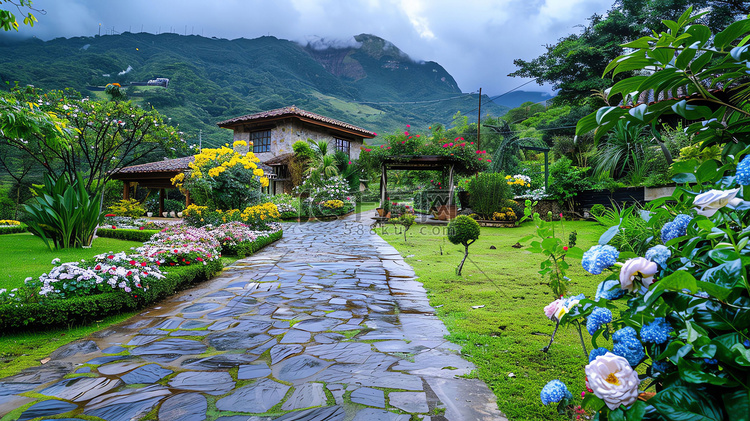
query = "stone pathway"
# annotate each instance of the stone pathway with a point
(327, 323)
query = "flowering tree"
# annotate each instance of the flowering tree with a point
(223, 179)
(687, 319)
(103, 136)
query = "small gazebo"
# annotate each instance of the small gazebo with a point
(424, 163)
(154, 175)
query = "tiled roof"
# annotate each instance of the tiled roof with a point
(294, 112)
(170, 165)
(177, 164)
(281, 159)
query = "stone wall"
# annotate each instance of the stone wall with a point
(287, 132)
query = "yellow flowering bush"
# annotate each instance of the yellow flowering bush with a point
(333, 204)
(505, 214)
(223, 179)
(129, 207)
(259, 216)
(9, 222)
(519, 183)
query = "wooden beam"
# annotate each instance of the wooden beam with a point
(161, 202)
(125, 190)
(450, 186)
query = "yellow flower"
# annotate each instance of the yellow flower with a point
(239, 143)
(258, 172)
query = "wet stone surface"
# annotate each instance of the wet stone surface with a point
(327, 324)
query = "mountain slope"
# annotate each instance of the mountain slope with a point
(371, 84)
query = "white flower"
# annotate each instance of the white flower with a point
(708, 203)
(565, 307)
(552, 308)
(613, 380)
(637, 267)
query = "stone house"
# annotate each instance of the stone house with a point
(273, 133)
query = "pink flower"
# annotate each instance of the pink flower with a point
(408, 125)
(406, 133)
(417, 135)
(403, 141)
(374, 133)
(552, 308)
(350, 162)
(451, 143)
(471, 143)
(463, 144)
(480, 158)
(489, 160)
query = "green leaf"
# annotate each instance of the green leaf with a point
(694, 373)
(676, 281)
(699, 63)
(685, 177)
(642, 42)
(707, 172)
(682, 403)
(737, 402)
(699, 33)
(724, 38)
(616, 415)
(636, 411)
(724, 255)
(662, 55)
(586, 124)
(685, 57)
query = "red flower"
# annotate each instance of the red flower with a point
(109, 215)
(98, 267)
(451, 143)
(471, 143)
(388, 147)
(171, 263)
(403, 141)
(489, 160)
(406, 133)
(417, 135)
(129, 273)
(114, 227)
(110, 256)
(463, 144)
(480, 158)
(132, 262)
(141, 228)
(565, 248)
(199, 259)
(143, 263)
(176, 251)
(408, 125)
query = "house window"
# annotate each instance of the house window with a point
(261, 141)
(343, 146)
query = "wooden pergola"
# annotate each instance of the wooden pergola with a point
(154, 175)
(423, 163)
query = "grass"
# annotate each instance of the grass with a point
(506, 335)
(366, 206)
(25, 255)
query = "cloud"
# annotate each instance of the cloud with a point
(126, 71)
(476, 41)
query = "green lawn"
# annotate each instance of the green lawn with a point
(25, 255)
(507, 334)
(365, 206)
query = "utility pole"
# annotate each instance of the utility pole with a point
(200, 141)
(100, 29)
(479, 118)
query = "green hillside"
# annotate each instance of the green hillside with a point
(373, 85)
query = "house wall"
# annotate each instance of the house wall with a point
(287, 132)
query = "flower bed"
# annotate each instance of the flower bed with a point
(78, 292)
(8, 226)
(126, 234)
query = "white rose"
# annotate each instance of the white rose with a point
(708, 203)
(613, 380)
(637, 267)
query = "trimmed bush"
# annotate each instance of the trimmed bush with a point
(126, 234)
(12, 229)
(465, 231)
(248, 248)
(81, 310)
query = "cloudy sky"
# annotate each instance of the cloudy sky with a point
(475, 40)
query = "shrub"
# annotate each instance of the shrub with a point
(287, 205)
(567, 181)
(63, 214)
(171, 205)
(465, 231)
(517, 208)
(598, 210)
(141, 235)
(406, 220)
(128, 207)
(488, 193)
(223, 179)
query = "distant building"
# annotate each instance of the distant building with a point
(159, 81)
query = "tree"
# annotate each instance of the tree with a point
(465, 231)
(8, 19)
(106, 136)
(575, 64)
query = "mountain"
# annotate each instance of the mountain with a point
(369, 83)
(516, 98)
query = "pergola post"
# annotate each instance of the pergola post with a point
(187, 198)
(546, 170)
(161, 201)
(125, 190)
(450, 186)
(383, 186)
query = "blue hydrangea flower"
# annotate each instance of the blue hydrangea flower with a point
(657, 331)
(598, 317)
(631, 349)
(555, 391)
(624, 333)
(609, 290)
(659, 255)
(746, 343)
(676, 228)
(660, 366)
(598, 258)
(597, 352)
(711, 361)
(743, 171)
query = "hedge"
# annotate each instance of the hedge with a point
(13, 229)
(126, 234)
(246, 249)
(81, 310)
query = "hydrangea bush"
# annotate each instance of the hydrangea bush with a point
(683, 317)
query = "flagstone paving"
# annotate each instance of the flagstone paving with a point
(328, 323)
